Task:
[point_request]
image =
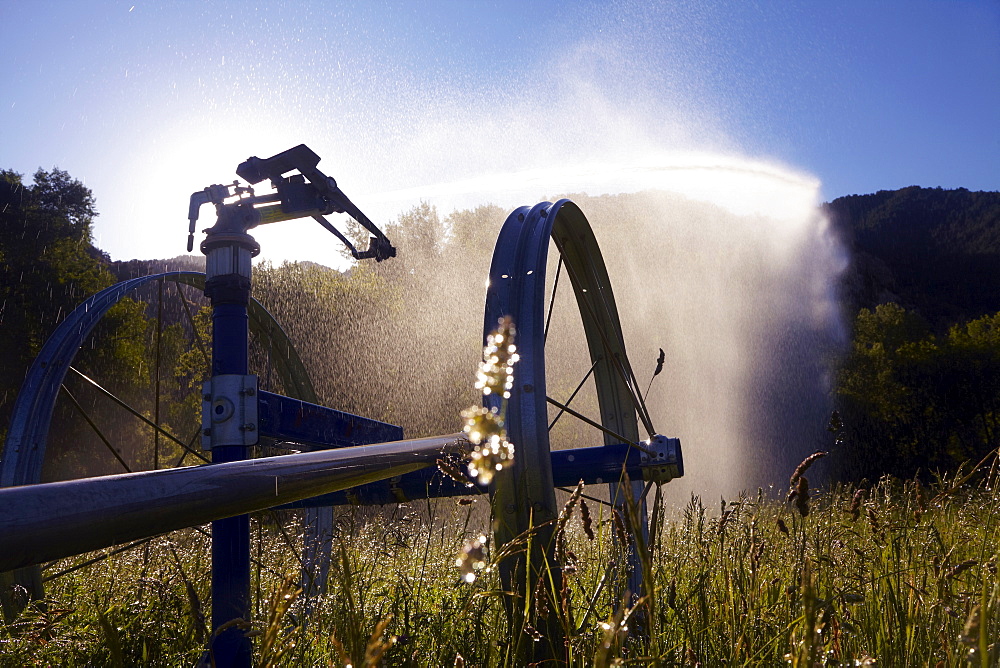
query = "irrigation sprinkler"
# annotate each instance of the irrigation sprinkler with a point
(353, 459)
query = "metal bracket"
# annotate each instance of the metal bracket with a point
(229, 411)
(666, 462)
(396, 490)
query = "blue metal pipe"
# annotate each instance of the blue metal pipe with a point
(231, 535)
(228, 286)
(230, 326)
(595, 465)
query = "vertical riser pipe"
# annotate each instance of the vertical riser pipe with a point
(227, 285)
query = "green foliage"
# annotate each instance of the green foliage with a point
(47, 264)
(192, 367)
(47, 267)
(912, 400)
(920, 386)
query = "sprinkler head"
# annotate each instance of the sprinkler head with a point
(254, 169)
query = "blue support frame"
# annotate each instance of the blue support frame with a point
(228, 287)
(282, 417)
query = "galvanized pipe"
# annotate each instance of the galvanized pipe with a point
(50, 521)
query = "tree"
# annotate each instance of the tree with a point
(48, 265)
(914, 401)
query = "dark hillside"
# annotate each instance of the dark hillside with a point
(930, 250)
(124, 270)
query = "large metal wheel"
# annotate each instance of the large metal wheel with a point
(46, 392)
(523, 495)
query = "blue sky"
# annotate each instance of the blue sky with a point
(147, 102)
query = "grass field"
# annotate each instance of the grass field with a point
(897, 574)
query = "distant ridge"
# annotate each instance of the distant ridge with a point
(124, 270)
(931, 250)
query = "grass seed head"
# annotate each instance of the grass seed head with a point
(481, 424)
(496, 371)
(855, 509)
(490, 457)
(448, 468)
(484, 426)
(802, 496)
(620, 531)
(873, 522)
(492, 449)
(541, 599)
(961, 568)
(801, 469)
(567, 509)
(588, 522)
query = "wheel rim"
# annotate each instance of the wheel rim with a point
(523, 496)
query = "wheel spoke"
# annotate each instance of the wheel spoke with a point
(269, 355)
(100, 557)
(616, 364)
(137, 414)
(284, 534)
(94, 426)
(190, 448)
(597, 425)
(194, 327)
(573, 396)
(586, 496)
(628, 375)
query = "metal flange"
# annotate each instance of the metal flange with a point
(664, 461)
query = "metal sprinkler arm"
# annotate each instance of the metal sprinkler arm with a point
(308, 194)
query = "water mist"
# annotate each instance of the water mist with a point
(739, 292)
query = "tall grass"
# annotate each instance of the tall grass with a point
(896, 574)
